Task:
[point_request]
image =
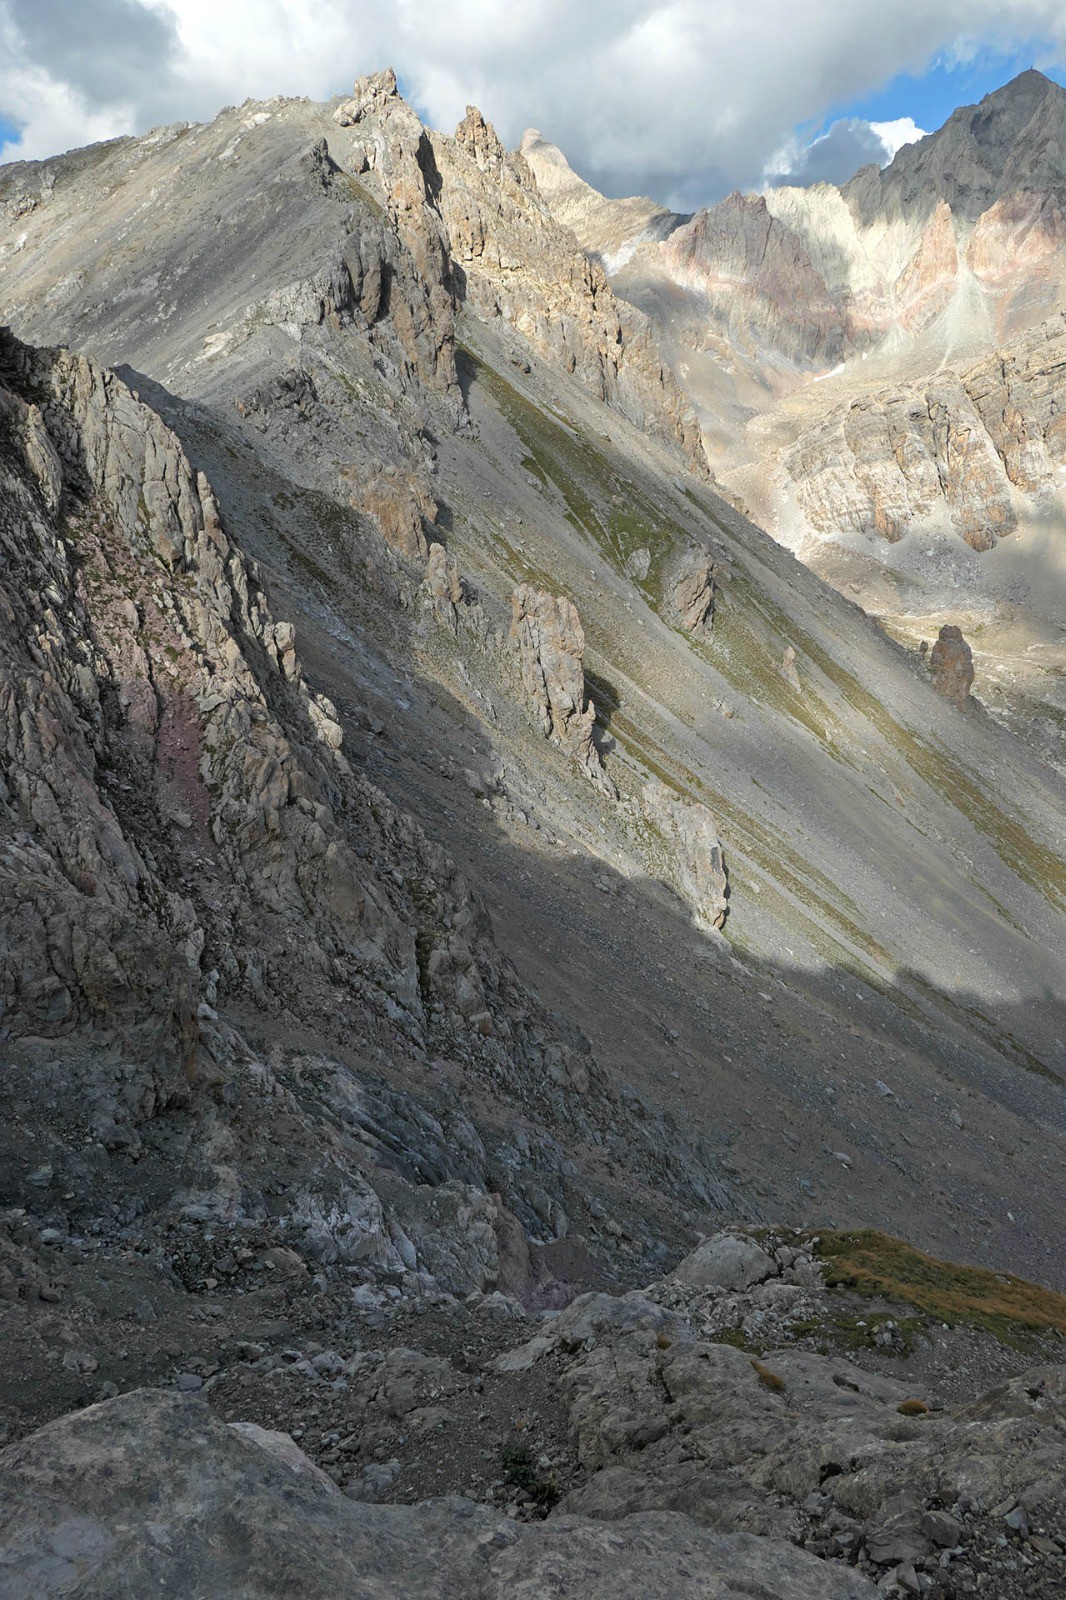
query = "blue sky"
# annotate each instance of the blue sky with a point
(932, 97)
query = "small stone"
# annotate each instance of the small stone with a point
(1018, 1522)
(944, 1530)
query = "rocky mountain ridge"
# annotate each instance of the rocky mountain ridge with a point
(877, 362)
(568, 873)
(957, 240)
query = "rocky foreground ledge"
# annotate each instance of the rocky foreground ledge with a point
(151, 1494)
(785, 1416)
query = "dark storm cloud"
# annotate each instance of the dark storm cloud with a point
(108, 50)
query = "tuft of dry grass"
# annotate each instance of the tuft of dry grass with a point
(875, 1264)
(772, 1380)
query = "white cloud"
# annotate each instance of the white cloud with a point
(679, 98)
(900, 131)
(837, 154)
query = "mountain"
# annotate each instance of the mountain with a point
(608, 229)
(456, 866)
(1011, 143)
(874, 364)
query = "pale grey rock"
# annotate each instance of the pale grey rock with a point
(694, 592)
(726, 1261)
(151, 1493)
(547, 634)
(442, 577)
(638, 565)
(695, 851)
(885, 462)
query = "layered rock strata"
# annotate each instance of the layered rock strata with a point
(966, 451)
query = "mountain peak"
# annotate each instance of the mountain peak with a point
(1014, 139)
(1029, 82)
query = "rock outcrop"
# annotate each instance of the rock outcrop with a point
(390, 142)
(150, 1492)
(695, 850)
(467, 201)
(164, 677)
(951, 665)
(694, 591)
(547, 634)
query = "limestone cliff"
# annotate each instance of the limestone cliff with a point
(964, 449)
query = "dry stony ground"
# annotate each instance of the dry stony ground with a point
(398, 1398)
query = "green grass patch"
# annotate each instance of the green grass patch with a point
(840, 1332)
(601, 502)
(871, 1263)
(521, 1470)
(739, 1341)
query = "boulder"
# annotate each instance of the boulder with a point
(550, 641)
(726, 1261)
(689, 833)
(694, 592)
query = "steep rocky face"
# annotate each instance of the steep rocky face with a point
(186, 682)
(960, 451)
(609, 229)
(183, 833)
(753, 279)
(467, 201)
(1012, 142)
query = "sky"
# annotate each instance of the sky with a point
(680, 99)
